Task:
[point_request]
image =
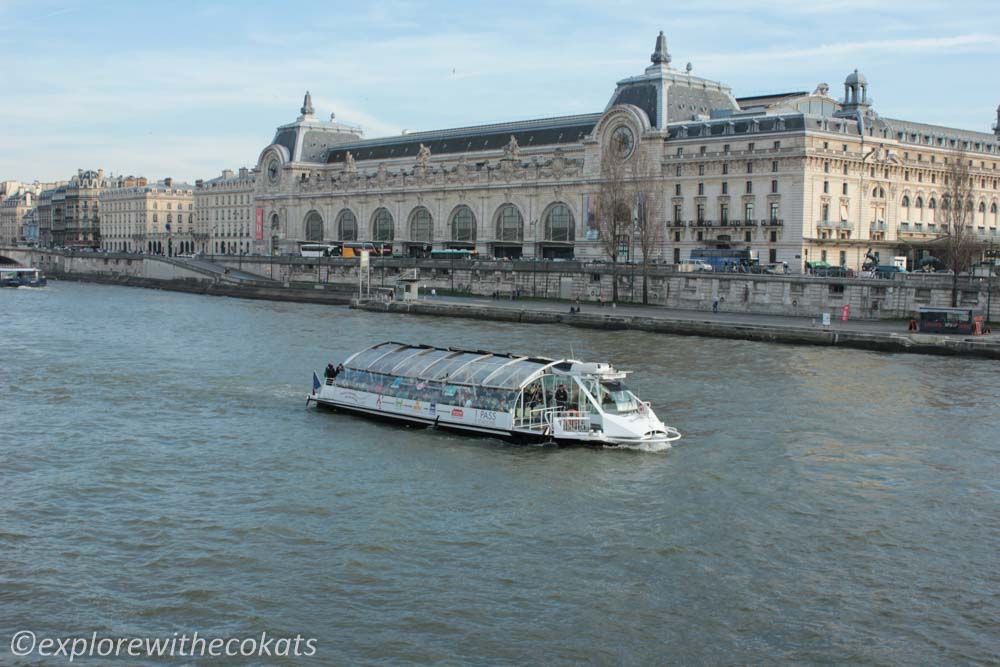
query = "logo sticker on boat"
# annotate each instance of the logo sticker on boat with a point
(456, 412)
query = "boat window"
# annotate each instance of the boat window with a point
(448, 366)
(427, 391)
(418, 366)
(387, 362)
(516, 375)
(366, 357)
(404, 362)
(477, 371)
(615, 397)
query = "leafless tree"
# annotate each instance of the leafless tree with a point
(958, 239)
(614, 209)
(649, 226)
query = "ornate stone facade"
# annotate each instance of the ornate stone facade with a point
(795, 177)
(225, 214)
(152, 218)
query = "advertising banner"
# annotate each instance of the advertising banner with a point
(259, 231)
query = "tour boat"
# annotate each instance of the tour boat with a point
(520, 398)
(21, 277)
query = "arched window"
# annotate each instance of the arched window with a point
(510, 224)
(382, 229)
(993, 208)
(463, 225)
(347, 226)
(274, 221)
(314, 226)
(932, 204)
(559, 224)
(421, 225)
(906, 201)
(982, 207)
(920, 202)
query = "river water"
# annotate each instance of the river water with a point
(161, 474)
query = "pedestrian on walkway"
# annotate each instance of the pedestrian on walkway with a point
(715, 306)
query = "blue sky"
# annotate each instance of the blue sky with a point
(186, 89)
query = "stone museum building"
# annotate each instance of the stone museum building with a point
(795, 177)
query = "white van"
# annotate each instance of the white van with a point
(691, 265)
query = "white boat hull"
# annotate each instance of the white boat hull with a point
(480, 421)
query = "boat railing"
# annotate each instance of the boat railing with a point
(553, 420)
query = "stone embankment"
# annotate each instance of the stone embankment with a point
(337, 295)
(795, 333)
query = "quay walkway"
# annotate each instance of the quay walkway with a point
(880, 335)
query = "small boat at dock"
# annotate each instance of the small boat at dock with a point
(11, 276)
(519, 398)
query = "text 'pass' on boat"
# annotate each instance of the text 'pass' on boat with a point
(525, 399)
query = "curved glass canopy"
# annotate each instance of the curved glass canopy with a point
(452, 366)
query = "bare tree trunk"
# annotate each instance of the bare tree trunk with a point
(961, 244)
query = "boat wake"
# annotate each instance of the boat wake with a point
(647, 447)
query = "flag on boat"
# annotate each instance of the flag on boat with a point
(316, 383)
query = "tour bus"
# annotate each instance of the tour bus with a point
(726, 259)
(320, 250)
(462, 253)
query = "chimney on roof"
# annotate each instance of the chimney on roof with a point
(227, 173)
(168, 181)
(199, 183)
(243, 172)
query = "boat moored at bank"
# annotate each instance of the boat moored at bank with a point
(11, 276)
(521, 398)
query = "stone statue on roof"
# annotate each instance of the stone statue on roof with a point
(512, 149)
(349, 163)
(423, 156)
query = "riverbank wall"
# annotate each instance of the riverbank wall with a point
(336, 279)
(793, 295)
(178, 276)
(985, 347)
(333, 295)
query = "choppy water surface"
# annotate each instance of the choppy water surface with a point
(160, 474)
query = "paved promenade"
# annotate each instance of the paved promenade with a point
(676, 314)
(884, 336)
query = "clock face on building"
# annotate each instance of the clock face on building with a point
(273, 171)
(622, 141)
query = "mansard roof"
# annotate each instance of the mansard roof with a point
(529, 133)
(755, 101)
(989, 143)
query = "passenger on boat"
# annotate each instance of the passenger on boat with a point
(562, 397)
(330, 371)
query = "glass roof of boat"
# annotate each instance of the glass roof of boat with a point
(456, 366)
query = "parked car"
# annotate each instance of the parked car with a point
(689, 265)
(833, 272)
(778, 268)
(889, 272)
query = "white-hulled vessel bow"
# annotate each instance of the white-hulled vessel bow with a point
(522, 398)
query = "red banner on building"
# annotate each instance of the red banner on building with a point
(259, 233)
